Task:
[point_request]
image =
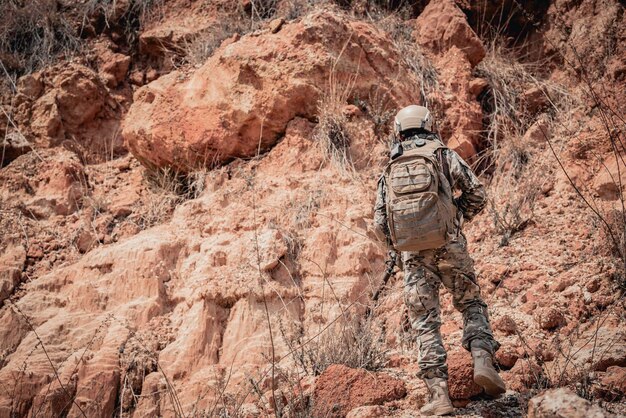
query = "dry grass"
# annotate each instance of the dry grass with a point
(35, 33)
(353, 342)
(515, 100)
(32, 34)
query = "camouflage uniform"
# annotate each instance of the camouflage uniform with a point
(425, 271)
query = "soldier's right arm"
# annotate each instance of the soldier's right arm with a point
(473, 197)
(381, 227)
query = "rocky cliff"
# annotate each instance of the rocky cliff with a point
(186, 194)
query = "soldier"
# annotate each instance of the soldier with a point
(416, 213)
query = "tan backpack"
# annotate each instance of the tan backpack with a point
(420, 209)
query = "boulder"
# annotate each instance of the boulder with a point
(340, 389)
(461, 375)
(563, 402)
(442, 25)
(240, 101)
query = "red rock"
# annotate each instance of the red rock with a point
(607, 182)
(461, 375)
(535, 99)
(47, 182)
(506, 357)
(86, 240)
(477, 86)
(368, 412)
(73, 107)
(276, 24)
(115, 68)
(340, 389)
(524, 374)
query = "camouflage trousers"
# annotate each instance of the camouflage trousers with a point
(425, 271)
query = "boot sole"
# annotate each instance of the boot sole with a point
(491, 387)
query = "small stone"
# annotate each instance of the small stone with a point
(506, 324)
(374, 411)
(276, 25)
(137, 78)
(549, 318)
(507, 357)
(85, 240)
(151, 75)
(477, 86)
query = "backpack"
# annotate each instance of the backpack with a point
(420, 208)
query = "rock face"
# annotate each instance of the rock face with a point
(341, 389)
(241, 100)
(442, 29)
(563, 403)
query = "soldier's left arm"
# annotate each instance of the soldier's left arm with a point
(473, 197)
(381, 227)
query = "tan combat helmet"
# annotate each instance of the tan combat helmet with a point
(413, 117)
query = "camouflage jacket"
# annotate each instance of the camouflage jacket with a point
(471, 201)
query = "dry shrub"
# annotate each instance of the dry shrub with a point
(510, 109)
(413, 57)
(351, 341)
(331, 132)
(166, 189)
(416, 61)
(521, 176)
(33, 33)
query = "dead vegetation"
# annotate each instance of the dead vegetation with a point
(520, 111)
(332, 132)
(166, 189)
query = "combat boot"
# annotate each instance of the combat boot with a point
(485, 375)
(439, 403)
